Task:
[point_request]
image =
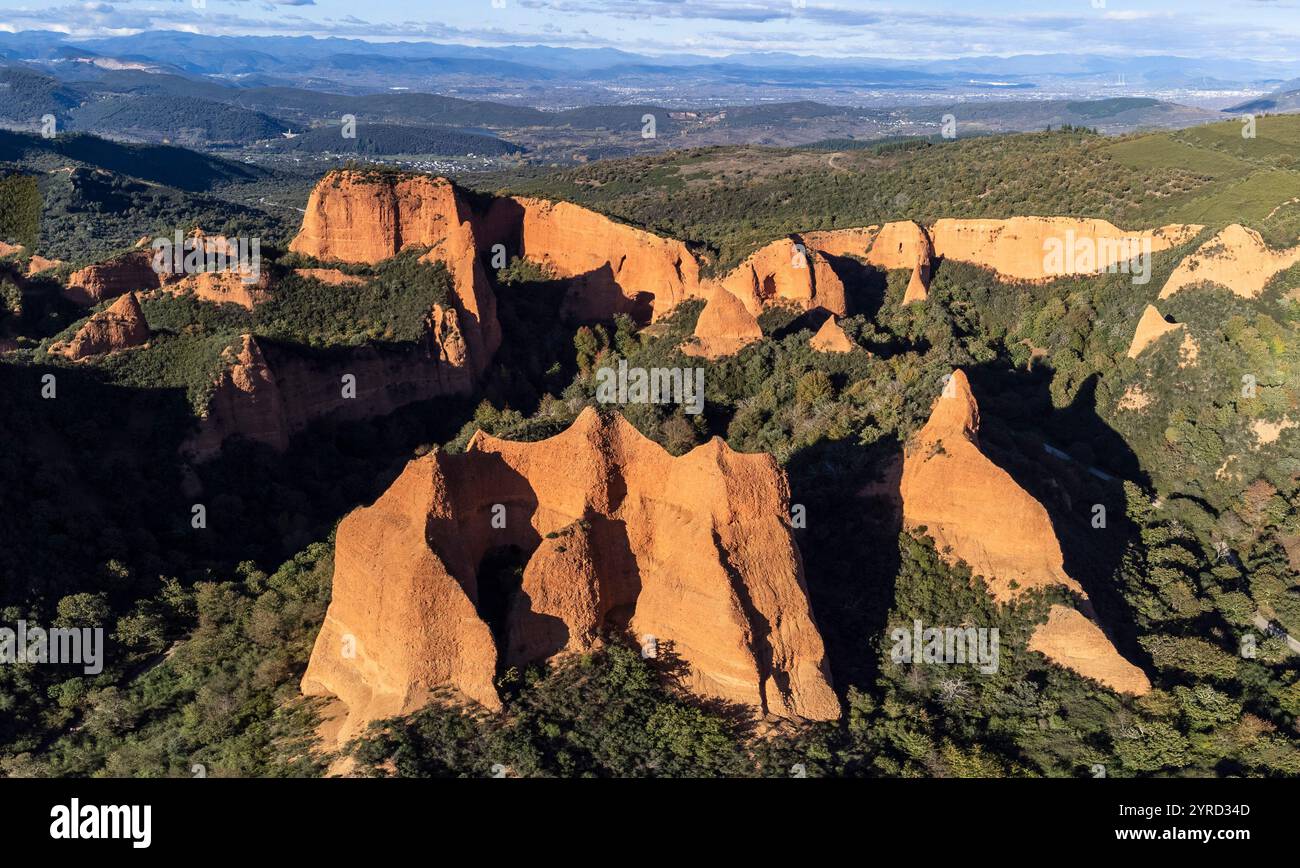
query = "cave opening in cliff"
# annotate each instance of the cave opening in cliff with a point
(500, 581)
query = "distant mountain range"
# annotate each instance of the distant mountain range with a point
(556, 77)
(1285, 99)
(283, 98)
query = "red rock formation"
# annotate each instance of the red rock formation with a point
(271, 392)
(225, 279)
(787, 271)
(899, 245)
(842, 242)
(1018, 248)
(38, 264)
(104, 280)
(972, 508)
(830, 338)
(1236, 258)
(724, 327)
(694, 551)
(223, 287)
(246, 402)
(1151, 327)
(615, 268)
(147, 269)
(268, 392)
(118, 327)
(1070, 639)
(369, 217)
(35, 264)
(331, 276)
(905, 245)
(977, 514)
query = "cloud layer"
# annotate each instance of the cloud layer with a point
(931, 29)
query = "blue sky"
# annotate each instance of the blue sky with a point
(1242, 29)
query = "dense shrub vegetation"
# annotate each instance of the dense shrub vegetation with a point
(210, 630)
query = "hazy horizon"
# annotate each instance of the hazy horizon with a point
(924, 31)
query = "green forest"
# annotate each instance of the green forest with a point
(210, 629)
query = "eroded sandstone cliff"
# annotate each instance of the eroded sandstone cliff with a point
(614, 268)
(1236, 258)
(267, 392)
(787, 271)
(693, 555)
(974, 509)
(978, 514)
(1020, 248)
(369, 217)
(899, 245)
(118, 327)
(1150, 328)
(101, 281)
(724, 328)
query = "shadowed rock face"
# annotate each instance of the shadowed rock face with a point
(1150, 328)
(119, 327)
(615, 268)
(104, 280)
(694, 551)
(1236, 258)
(977, 513)
(268, 393)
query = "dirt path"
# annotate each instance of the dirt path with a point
(1266, 626)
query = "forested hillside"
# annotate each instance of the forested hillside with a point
(1194, 457)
